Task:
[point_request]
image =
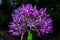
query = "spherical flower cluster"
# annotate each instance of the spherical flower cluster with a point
(27, 17)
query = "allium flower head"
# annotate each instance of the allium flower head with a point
(27, 18)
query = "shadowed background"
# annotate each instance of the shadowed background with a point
(8, 6)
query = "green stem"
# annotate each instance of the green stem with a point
(29, 36)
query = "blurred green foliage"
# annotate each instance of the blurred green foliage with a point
(2, 36)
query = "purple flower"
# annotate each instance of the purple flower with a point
(27, 16)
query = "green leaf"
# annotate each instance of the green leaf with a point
(1, 36)
(29, 36)
(1, 33)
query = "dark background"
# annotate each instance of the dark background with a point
(8, 6)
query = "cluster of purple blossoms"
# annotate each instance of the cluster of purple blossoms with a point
(27, 18)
